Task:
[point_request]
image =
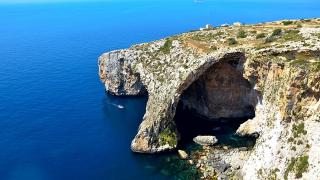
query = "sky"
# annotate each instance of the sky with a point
(53, 1)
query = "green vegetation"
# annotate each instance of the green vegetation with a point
(286, 23)
(299, 62)
(299, 25)
(289, 168)
(290, 35)
(293, 35)
(298, 166)
(305, 64)
(270, 39)
(166, 47)
(260, 172)
(213, 48)
(298, 129)
(241, 34)
(260, 36)
(276, 32)
(254, 32)
(299, 142)
(206, 37)
(167, 137)
(302, 165)
(290, 139)
(293, 148)
(232, 41)
(273, 174)
(315, 66)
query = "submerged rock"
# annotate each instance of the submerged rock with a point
(205, 140)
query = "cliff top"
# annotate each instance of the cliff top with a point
(169, 57)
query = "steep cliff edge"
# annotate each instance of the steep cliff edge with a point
(271, 69)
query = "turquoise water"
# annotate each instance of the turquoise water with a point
(56, 120)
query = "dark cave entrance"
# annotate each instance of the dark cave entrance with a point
(217, 103)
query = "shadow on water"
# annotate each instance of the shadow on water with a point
(125, 114)
(125, 121)
(190, 125)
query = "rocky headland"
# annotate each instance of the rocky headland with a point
(269, 72)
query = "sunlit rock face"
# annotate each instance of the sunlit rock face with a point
(221, 92)
(117, 75)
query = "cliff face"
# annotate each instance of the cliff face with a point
(285, 118)
(222, 91)
(271, 70)
(116, 73)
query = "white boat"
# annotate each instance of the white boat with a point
(117, 105)
(120, 106)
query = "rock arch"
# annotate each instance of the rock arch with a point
(158, 130)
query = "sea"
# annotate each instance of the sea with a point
(56, 120)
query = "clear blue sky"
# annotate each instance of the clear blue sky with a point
(45, 1)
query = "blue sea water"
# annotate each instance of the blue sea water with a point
(56, 121)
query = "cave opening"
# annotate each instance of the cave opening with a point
(217, 103)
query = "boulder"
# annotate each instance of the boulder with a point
(182, 154)
(205, 140)
(221, 166)
(248, 128)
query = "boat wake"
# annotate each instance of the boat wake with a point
(119, 106)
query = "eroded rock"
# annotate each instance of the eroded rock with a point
(116, 73)
(206, 140)
(182, 154)
(249, 128)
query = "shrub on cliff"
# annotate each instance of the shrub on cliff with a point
(232, 41)
(302, 165)
(299, 25)
(286, 23)
(241, 34)
(166, 46)
(298, 166)
(276, 32)
(260, 36)
(270, 39)
(293, 35)
(167, 137)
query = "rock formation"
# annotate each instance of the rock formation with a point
(205, 140)
(270, 71)
(117, 74)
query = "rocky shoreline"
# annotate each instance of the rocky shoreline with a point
(270, 71)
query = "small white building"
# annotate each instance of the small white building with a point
(207, 27)
(237, 24)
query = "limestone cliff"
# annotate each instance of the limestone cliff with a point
(269, 70)
(116, 73)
